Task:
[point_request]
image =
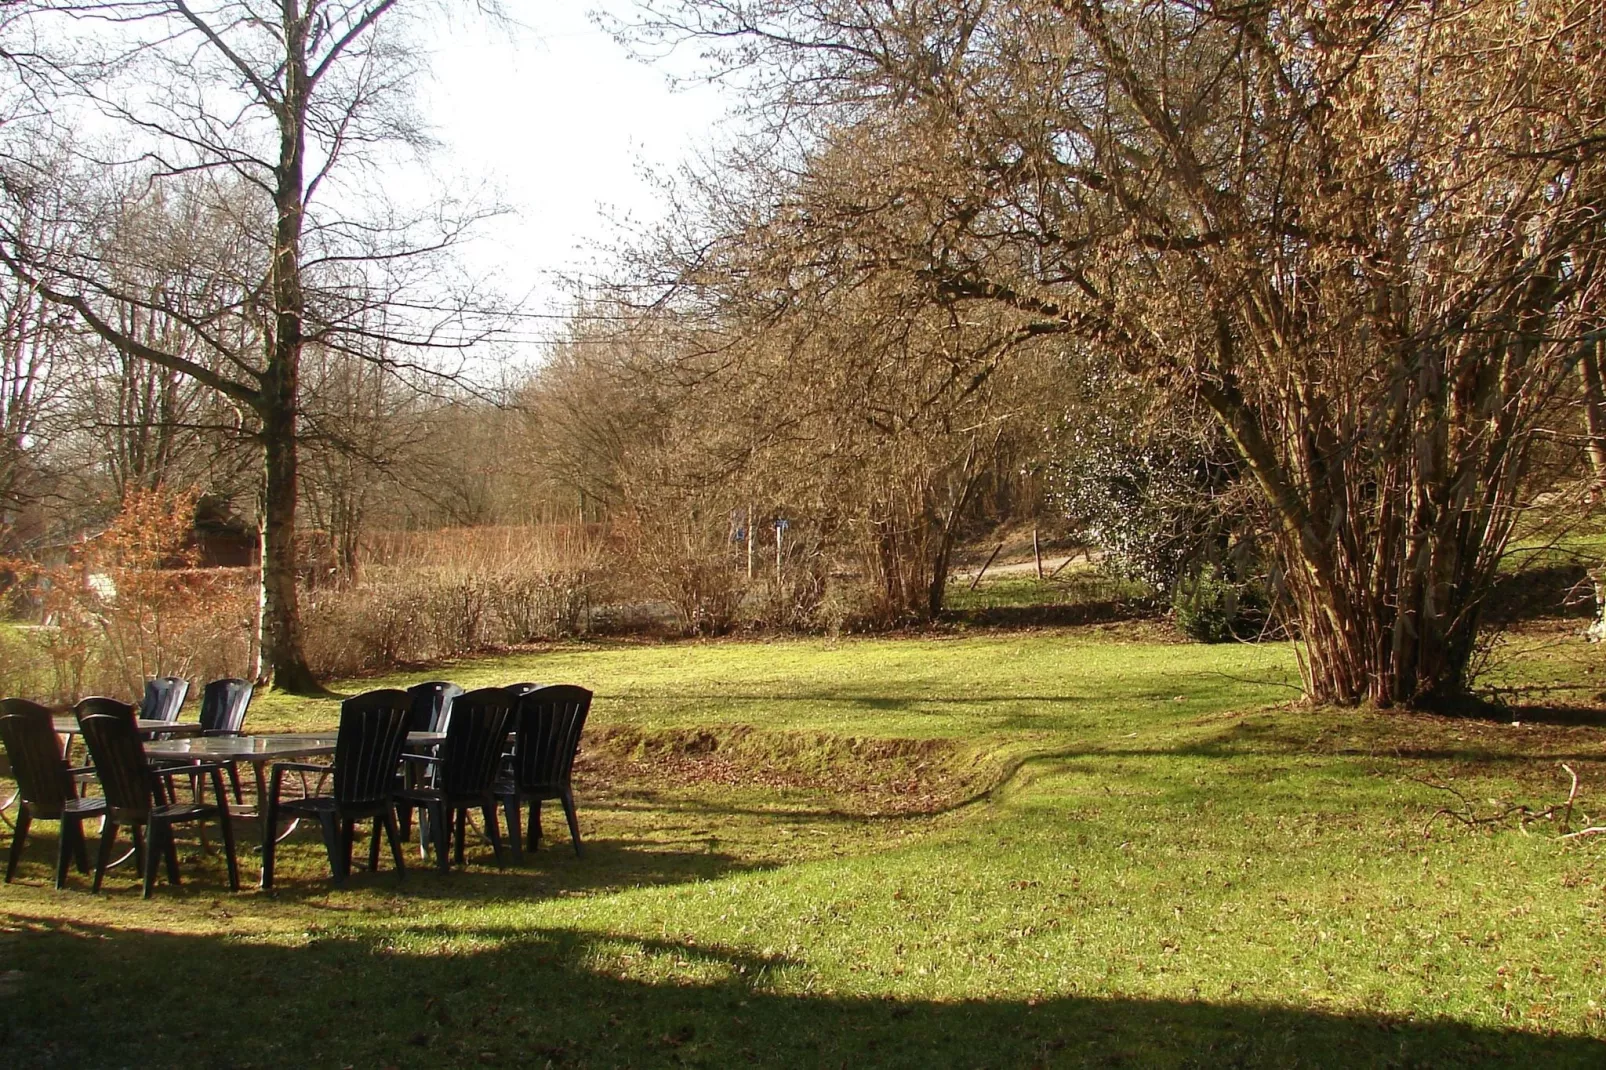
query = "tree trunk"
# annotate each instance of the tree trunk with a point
(1595, 420)
(282, 652)
(278, 408)
(1386, 583)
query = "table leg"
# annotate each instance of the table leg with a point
(259, 773)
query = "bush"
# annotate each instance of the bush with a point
(1159, 502)
(541, 605)
(1210, 608)
(448, 594)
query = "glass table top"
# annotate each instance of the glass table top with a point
(262, 747)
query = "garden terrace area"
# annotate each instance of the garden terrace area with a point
(1089, 846)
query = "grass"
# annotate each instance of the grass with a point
(1078, 585)
(1119, 852)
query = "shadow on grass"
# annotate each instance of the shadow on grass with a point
(1560, 716)
(301, 870)
(442, 995)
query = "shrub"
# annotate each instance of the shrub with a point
(1159, 502)
(540, 605)
(681, 551)
(1211, 608)
(435, 595)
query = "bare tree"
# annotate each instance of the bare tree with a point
(283, 97)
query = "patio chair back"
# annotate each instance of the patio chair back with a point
(164, 697)
(474, 739)
(520, 689)
(34, 750)
(432, 705)
(550, 720)
(373, 728)
(223, 706)
(110, 733)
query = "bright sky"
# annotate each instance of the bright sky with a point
(561, 121)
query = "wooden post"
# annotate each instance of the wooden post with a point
(1037, 552)
(985, 567)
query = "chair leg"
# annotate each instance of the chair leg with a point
(373, 846)
(348, 835)
(154, 844)
(138, 835)
(72, 834)
(488, 813)
(234, 782)
(225, 827)
(103, 856)
(462, 829)
(574, 820)
(535, 824)
(19, 836)
(515, 827)
(389, 817)
(170, 852)
(80, 852)
(330, 826)
(442, 828)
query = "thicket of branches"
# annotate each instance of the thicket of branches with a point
(1366, 238)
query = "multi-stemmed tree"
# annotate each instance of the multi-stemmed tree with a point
(1367, 237)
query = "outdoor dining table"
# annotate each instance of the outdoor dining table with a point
(259, 751)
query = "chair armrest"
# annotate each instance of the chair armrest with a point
(279, 769)
(81, 770)
(422, 758)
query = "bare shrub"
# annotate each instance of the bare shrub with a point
(428, 595)
(852, 605)
(126, 606)
(363, 629)
(540, 605)
(685, 556)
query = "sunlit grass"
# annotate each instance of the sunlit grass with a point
(1163, 865)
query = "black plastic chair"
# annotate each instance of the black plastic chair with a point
(223, 707)
(464, 772)
(550, 720)
(137, 797)
(432, 708)
(164, 697)
(373, 728)
(46, 787)
(432, 705)
(522, 688)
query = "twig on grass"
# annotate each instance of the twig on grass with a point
(1561, 813)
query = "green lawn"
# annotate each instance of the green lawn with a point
(1082, 585)
(1002, 849)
